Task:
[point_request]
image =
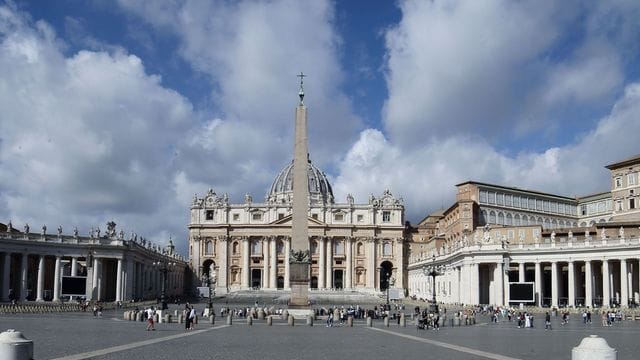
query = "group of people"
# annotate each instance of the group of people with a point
(189, 313)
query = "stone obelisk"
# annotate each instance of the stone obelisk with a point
(299, 258)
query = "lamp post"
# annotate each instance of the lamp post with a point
(433, 271)
(210, 278)
(164, 267)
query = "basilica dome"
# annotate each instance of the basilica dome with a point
(319, 187)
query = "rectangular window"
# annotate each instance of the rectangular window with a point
(632, 204)
(338, 217)
(510, 234)
(619, 205)
(545, 205)
(560, 208)
(280, 216)
(583, 209)
(360, 217)
(631, 179)
(483, 196)
(532, 204)
(256, 216)
(314, 216)
(601, 206)
(209, 215)
(236, 217)
(492, 198)
(500, 199)
(386, 216)
(539, 205)
(618, 182)
(554, 207)
(516, 201)
(508, 200)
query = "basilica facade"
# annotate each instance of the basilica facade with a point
(353, 246)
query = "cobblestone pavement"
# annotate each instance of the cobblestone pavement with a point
(81, 335)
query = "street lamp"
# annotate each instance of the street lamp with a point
(433, 271)
(210, 278)
(164, 267)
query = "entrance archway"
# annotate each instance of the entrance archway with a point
(280, 282)
(338, 279)
(314, 282)
(386, 272)
(256, 278)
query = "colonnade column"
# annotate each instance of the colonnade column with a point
(23, 277)
(538, 281)
(273, 279)
(321, 262)
(521, 274)
(499, 290)
(624, 283)
(349, 274)
(223, 266)
(475, 283)
(606, 284)
(245, 263)
(329, 276)
(95, 287)
(6, 276)
(287, 250)
(265, 262)
(371, 266)
(588, 284)
(554, 284)
(40, 288)
(572, 284)
(119, 281)
(57, 280)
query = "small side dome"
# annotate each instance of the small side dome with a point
(319, 188)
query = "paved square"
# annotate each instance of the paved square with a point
(80, 336)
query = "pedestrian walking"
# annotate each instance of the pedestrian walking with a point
(150, 323)
(547, 321)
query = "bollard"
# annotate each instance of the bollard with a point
(403, 320)
(14, 346)
(261, 314)
(126, 315)
(386, 321)
(212, 319)
(369, 322)
(156, 318)
(593, 347)
(456, 321)
(167, 318)
(451, 322)
(139, 317)
(350, 321)
(285, 314)
(175, 313)
(249, 320)
(229, 320)
(269, 320)
(291, 321)
(310, 320)
(180, 318)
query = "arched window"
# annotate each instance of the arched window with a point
(516, 220)
(208, 249)
(280, 247)
(386, 248)
(500, 218)
(360, 249)
(483, 217)
(509, 220)
(492, 217)
(235, 247)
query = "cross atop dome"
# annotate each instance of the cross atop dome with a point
(301, 92)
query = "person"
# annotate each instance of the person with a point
(187, 321)
(330, 319)
(150, 324)
(192, 317)
(547, 321)
(603, 317)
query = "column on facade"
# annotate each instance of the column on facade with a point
(40, 288)
(498, 290)
(521, 272)
(287, 271)
(554, 284)
(245, 263)
(588, 283)
(57, 279)
(329, 274)
(399, 254)
(223, 266)
(606, 284)
(322, 260)
(538, 281)
(128, 288)
(475, 283)
(95, 288)
(119, 280)
(505, 286)
(572, 284)
(265, 262)
(371, 263)
(349, 273)
(624, 283)
(24, 285)
(273, 279)
(74, 266)
(6, 275)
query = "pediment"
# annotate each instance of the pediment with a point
(287, 220)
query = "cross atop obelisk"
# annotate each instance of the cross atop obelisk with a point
(299, 256)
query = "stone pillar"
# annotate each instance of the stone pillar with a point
(371, 263)
(287, 268)
(349, 273)
(606, 284)
(554, 284)
(265, 262)
(498, 276)
(246, 254)
(322, 260)
(74, 266)
(95, 288)
(223, 267)
(572, 284)
(624, 283)
(273, 271)
(329, 276)
(588, 284)
(23, 276)
(538, 281)
(521, 272)
(119, 281)
(475, 283)
(6, 275)
(57, 280)
(40, 288)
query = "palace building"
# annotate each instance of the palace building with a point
(576, 251)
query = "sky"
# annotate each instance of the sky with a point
(123, 110)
